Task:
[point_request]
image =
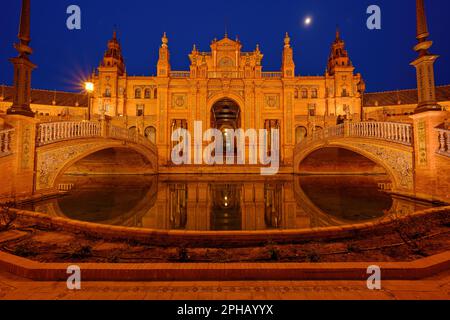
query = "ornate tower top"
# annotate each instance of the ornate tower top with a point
(113, 55)
(338, 56)
(24, 31)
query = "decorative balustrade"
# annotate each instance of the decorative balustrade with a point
(329, 132)
(180, 74)
(271, 74)
(226, 74)
(5, 142)
(444, 142)
(127, 135)
(389, 131)
(59, 131)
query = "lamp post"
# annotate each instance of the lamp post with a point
(89, 87)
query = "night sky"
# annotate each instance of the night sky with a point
(65, 57)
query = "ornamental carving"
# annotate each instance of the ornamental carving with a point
(272, 101)
(179, 101)
(400, 162)
(51, 162)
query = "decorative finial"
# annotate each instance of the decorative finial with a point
(338, 33)
(164, 40)
(24, 30)
(287, 41)
(422, 26)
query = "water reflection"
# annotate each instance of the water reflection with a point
(226, 202)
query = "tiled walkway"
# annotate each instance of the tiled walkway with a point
(12, 287)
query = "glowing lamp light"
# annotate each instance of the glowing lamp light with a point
(89, 87)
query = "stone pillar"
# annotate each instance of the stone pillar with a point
(426, 143)
(24, 151)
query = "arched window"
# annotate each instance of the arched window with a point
(147, 94)
(304, 93)
(150, 134)
(108, 92)
(138, 93)
(296, 94)
(344, 92)
(314, 93)
(132, 131)
(300, 134)
(155, 94)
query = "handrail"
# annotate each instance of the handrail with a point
(52, 132)
(389, 131)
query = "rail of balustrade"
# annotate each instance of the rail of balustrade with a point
(389, 131)
(180, 74)
(127, 135)
(271, 74)
(66, 130)
(444, 142)
(6, 142)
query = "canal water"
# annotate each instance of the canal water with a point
(225, 202)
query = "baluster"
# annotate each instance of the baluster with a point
(2, 141)
(447, 137)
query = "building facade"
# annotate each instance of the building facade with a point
(227, 88)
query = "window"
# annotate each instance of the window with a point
(140, 110)
(108, 92)
(300, 134)
(147, 94)
(150, 134)
(296, 94)
(312, 109)
(138, 93)
(155, 94)
(344, 92)
(314, 93)
(304, 94)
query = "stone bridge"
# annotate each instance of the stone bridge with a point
(388, 144)
(61, 144)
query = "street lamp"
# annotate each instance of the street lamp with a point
(89, 87)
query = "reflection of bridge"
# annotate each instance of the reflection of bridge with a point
(385, 143)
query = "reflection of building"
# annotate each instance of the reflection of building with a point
(225, 88)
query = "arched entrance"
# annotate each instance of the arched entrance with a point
(225, 116)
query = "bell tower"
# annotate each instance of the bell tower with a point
(110, 72)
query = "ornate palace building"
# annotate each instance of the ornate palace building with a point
(226, 88)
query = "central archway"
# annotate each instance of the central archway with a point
(225, 116)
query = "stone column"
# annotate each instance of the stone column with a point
(426, 143)
(24, 151)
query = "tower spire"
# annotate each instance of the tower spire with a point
(23, 66)
(424, 64)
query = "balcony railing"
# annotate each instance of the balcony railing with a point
(271, 74)
(59, 131)
(226, 74)
(444, 142)
(389, 131)
(5, 142)
(180, 74)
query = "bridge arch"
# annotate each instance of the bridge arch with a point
(395, 159)
(54, 159)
